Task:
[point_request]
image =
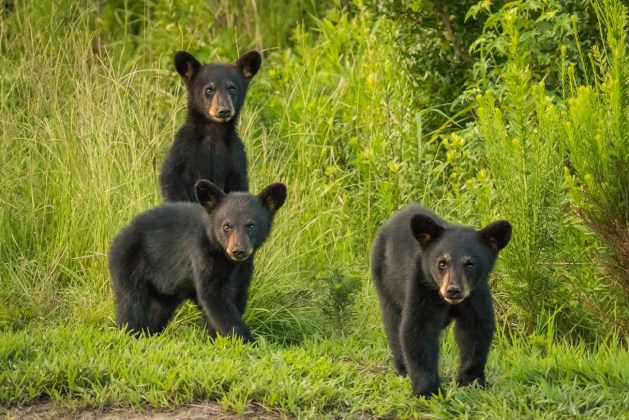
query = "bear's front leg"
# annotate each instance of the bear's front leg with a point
(473, 331)
(215, 299)
(241, 280)
(224, 318)
(420, 344)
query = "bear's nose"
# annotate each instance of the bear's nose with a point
(224, 112)
(453, 292)
(239, 254)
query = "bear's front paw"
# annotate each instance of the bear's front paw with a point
(246, 337)
(401, 369)
(426, 388)
(465, 379)
(427, 392)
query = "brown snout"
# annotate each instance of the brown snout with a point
(452, 291)
(221, 109)
(238, 251)
(238, 255)
(453, 294)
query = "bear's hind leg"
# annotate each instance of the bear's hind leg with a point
(392, 317)
(130, 285)
(131, 309)
(160, 311)
(139, 309)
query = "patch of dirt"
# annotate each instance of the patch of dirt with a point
(203, 410)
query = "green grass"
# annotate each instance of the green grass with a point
(95, 367)
(87, 117)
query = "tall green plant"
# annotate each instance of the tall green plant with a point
(523, 152)
(597, 142)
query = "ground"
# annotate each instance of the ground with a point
(201, 410)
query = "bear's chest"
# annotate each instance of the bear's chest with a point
(211, 160)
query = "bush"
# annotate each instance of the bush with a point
(522, 148)
(597, 141)
(522, 127)
(453, 51)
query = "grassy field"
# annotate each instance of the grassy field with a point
(83, 367)
(87, 115)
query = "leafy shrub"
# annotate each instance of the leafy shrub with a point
(453, 51)
(522, 148)
(529, 34)
(432, 38)
(522, 128)
(597, 141)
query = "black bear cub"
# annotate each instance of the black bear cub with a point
(207, 146)
(428, 273)
(189, 251)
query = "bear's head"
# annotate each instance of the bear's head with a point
(239, 221)
(216, 91)
(457, 258)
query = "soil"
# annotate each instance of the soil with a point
(204, 410)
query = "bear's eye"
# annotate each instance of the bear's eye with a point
(442, 265)
(251, 226)
(469, 265)
(227, 227)
(231, 88)
(209, 90)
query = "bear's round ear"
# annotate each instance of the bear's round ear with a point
(208, 194)
(497, 234)
(424, 229)
(186, 65)
(249, 64)
(273, 197)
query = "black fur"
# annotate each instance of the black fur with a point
(189, 251)
(427, 273)
(207, 146)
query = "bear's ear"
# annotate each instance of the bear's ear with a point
(249, 64)
(186, 65)
(425, 229)
(273, 197)
(497, 234)
(208, 194)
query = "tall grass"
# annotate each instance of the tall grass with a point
(85, 134)
(87, 128)
(78, 156)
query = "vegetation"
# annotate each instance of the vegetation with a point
(87, 367)
(519, 112)
(522, 150)
(595, 136)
